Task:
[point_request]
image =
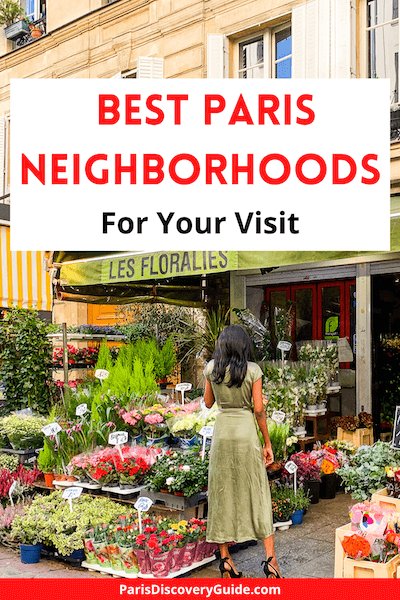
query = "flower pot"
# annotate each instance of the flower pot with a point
(189, 554)
(30, 553)
(209, 549)
(16, 30)
(75, 556)
(136, 440)
(176, 559)
(297, 517)
(312, 487)
(160, 564)
(36, 33)
(158, 441)
(283, 525)
(186, 443)
(129, 561)
(90, 551)
(328, 486)
(48, 479)
(200, 550)
(143, 561)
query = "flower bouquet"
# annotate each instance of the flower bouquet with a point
(393, 481)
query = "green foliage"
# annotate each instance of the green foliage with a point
(8, 461)
(178, 472)
(50, 521)
(278, 434)
(23, 431)
(365, 474)
(46, 461)
(25, 359)
(104, 359)
(282, 503)
(10, 12)
(300, 500)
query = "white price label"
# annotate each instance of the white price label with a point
(143, 504)
(207, 431)
(72, 493)
(81, 410)
(116, 438)
(291, 467)
(51, 429)
(285, 346)
(12, 488)
(183, 387)
(278, 416)
(101, 374)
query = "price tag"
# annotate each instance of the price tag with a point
(278, 416)
(207, 431)
(116, 438)
(51, 429)
(284, 346)
(72, 493)
(291, 467)
(183, 387)
(143, 504)
(81, 409)
(101, 374)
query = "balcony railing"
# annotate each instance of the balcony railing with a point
(36, 30)
(395, 123)
(5, 207)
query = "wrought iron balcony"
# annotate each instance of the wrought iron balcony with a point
(29, 33)
(5, 207)
(395, 123)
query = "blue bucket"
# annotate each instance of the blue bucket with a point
(297, 517)
(30, 554)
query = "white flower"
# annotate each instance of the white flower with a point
(186, 468)
(170, 480)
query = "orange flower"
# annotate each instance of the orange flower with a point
(327, 467)
(356, 546)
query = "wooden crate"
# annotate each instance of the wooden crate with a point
(363, 569)
(359, 437)
(356, 569)
(381, 497)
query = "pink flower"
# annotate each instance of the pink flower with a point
(110, 424)
(153, 419)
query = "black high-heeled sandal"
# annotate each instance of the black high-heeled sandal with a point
(270, 571)
(228, 572)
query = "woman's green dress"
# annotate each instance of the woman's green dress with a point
(239, 498)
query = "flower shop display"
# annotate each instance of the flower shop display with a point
(308, 474)
(300, 503)
(282, 506)
(50, 521)
(7, 516)
(164, 546)
(321, 352)
(393, 481)
(178, 473)
(9, 462)
(24, 478)
(365, 473)
(77, 357)
(355, 429)
(23, 431)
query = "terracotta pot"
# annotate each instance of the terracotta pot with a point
(48, 479)
(70, 478)
(179, 494)
(36, 33)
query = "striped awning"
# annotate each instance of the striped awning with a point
(24, 282)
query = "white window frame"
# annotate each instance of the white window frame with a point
(268, 37)
(36, 14)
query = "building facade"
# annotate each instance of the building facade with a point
(356, 298)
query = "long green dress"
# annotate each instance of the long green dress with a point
(239, 498)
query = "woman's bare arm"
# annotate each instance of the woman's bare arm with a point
(259, 413)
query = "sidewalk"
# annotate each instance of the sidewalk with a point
(305, 550)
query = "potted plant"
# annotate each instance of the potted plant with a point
(28, 531)
(282, 506)
(300, 503)
(46, 462)
(11, 15)
(23, 431)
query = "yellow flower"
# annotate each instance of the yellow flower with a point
(182, 523)
(175, 526)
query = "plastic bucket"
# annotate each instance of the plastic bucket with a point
(297, 517)
(30, 554)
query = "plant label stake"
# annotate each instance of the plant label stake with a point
(284, 347)
(11, 492)
(70, 494)
(53, 429)
(278, 416)
(291, 468)
(81, 409)
(142, 505)
(183, 387)
(117, 438)
(206, 432)
(101, 374)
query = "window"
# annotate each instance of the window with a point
(383, 43)
(269, 55)
(32, 9)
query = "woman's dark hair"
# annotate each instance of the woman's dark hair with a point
(233, 349)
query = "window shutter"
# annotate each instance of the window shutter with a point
(150, 67)
(2, 156)
(217, 56)
(323, 37)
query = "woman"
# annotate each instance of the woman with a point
(238, 490)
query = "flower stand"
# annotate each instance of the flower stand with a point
(364, 569)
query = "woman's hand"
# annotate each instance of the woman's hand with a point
(268, 455)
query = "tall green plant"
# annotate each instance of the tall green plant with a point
(104, 359)
(25, 359)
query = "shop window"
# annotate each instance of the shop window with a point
(268, 55)
(383, 51)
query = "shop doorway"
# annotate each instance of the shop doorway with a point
(385, 350)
